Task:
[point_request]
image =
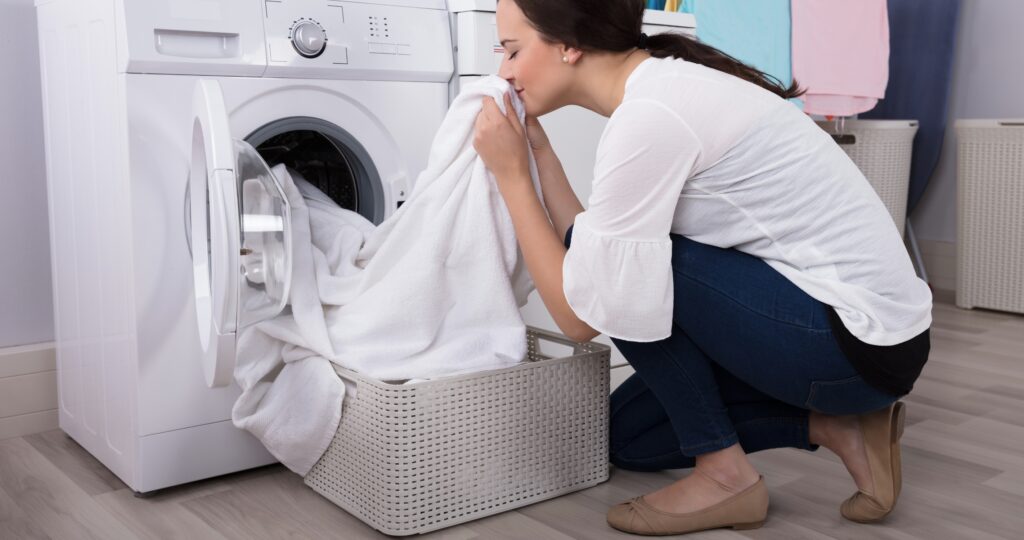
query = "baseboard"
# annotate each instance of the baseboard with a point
(27, 424)
(940, 262)
(27, 359)
(28, 389)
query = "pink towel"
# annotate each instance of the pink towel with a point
(841, 54)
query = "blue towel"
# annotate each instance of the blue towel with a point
(922, 34)
(755, 32)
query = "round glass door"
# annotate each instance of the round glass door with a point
(241, 235)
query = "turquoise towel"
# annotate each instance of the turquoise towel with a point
(756, 32)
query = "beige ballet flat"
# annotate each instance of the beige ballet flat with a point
(881, 431)
(747, 509)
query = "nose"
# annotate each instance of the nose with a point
(505, 70)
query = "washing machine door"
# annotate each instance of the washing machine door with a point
(240, 235)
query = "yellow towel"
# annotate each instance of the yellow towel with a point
(671, 5)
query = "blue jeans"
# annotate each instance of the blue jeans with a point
(749, 356)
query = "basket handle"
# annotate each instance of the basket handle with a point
(548, 335)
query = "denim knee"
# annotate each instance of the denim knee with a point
(851, 395)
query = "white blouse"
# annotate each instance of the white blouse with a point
(699, 153)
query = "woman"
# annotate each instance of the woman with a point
(736, 256)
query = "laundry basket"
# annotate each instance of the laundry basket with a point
(882, 150)
(990, 214)
(418, 457)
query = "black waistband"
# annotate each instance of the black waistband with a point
(893, 368)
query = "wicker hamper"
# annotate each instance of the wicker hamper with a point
(414, 458)
(990, 214)
(882, 149)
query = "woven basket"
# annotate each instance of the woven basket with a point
(418, 457)
(990, 214)
(882, 150)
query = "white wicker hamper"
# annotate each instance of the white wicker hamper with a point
(414, 458)
(882, 151)
(990, 214)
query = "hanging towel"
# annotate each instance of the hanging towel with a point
(840, 54)
(433, 291)
(920, 71)
(755, 32)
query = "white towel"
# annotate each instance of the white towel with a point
(435, 290)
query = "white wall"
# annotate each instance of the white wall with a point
(988, 82)
(26, 305)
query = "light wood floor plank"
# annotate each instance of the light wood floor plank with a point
(52, 500)
(75, 462)
(514, 526)
(155, 518)
(14, 523)
(276, 505)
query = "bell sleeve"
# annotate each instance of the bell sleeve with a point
(617, 271)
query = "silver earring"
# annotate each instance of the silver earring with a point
(565, 60)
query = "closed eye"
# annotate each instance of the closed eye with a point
(513, 55)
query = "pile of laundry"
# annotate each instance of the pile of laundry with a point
(433, 291)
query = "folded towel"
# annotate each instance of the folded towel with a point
(840, 54)
(435, 290)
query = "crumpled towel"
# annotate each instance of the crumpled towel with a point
(434, 291)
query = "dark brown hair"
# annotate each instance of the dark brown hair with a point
(614, 26)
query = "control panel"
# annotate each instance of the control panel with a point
(400, 40)
(368, 40)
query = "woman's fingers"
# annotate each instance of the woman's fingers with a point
(491, 113)
(510, 113)
(490, 107)
(500, 139)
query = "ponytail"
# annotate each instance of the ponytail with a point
(691, 50)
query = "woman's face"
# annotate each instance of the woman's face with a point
(531, 65)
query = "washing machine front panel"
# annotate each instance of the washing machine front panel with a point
(382, 130)
(394, 124)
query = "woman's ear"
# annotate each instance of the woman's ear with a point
(571, 55)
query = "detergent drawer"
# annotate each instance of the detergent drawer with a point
(197, 37)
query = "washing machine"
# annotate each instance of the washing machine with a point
(169, 233)
(574, 131)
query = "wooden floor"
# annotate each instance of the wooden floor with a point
(963, 474)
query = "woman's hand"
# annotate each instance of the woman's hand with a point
(501, 142)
